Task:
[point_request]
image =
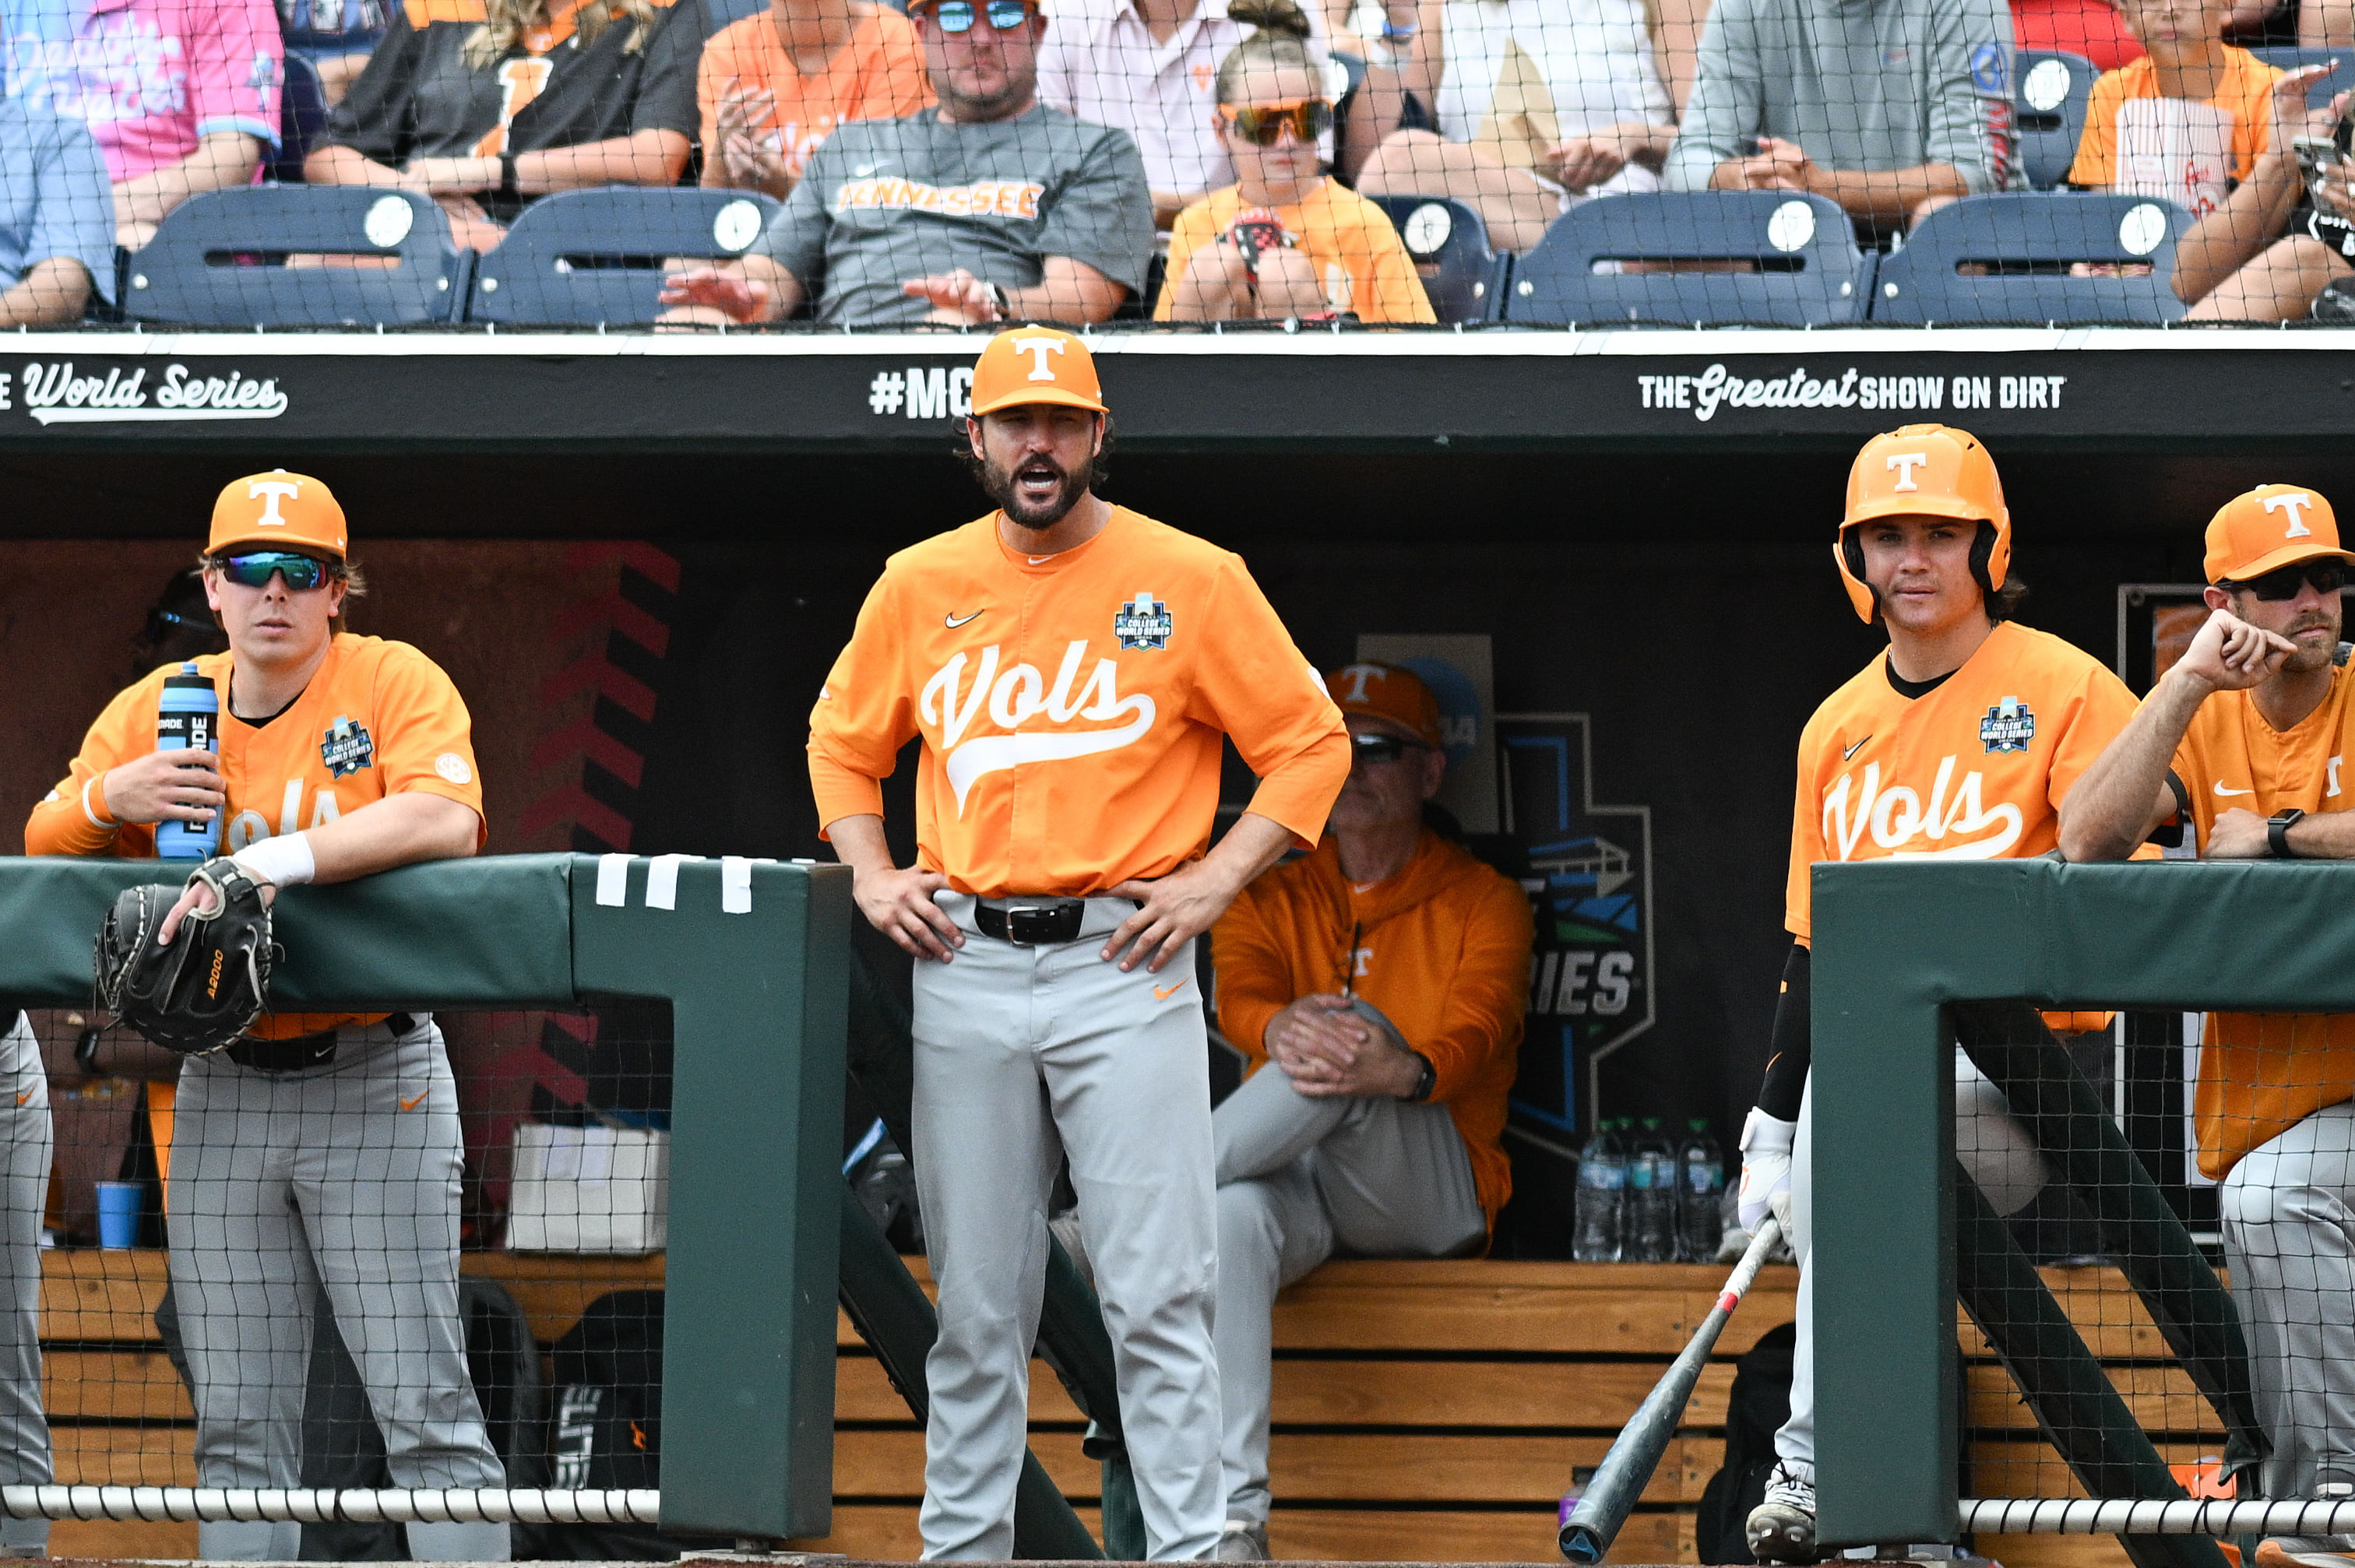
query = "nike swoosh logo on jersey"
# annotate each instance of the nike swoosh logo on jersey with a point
(1848, 754)
(23, 1098)
(413, 1105)
(2221, 790)
(953, 622)
(862, 170)
(1164, 994)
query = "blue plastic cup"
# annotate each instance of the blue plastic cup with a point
(118, 1214)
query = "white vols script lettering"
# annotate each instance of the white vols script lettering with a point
(1896, 816)
(1015, 697)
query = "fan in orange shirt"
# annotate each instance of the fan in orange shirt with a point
(770, 87)
(1385, 976)
(1283, 241)
(2188, 121)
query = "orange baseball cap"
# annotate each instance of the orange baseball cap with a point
(1036, 364)
(1389, 692)
(291, 510)
(2272, 526)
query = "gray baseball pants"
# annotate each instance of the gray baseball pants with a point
(2289, 1223)
(345, 1178)
(1023, 1054)
(27, 1142)
(1997, 1152)
(1298, 1176)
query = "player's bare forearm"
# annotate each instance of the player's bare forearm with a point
(400, 829)
(2322, 835)
(897, 903)
(1180, 906)
(2118, 800)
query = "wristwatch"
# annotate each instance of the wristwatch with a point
(1425, 1083)
(2278, 832)
(1000, 301)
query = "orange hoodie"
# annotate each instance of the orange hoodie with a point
(1442, 948)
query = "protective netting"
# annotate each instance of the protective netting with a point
(1379, 163)
(407, 1271)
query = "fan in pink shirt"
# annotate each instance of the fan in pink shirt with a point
(181, 95)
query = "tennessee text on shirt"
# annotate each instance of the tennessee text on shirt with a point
(982, 198)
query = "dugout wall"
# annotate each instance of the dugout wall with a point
(748, 954)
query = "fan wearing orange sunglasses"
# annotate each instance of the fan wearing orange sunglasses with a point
(1283, 241)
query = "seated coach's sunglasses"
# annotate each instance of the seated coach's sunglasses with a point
(255, 570)
(2328, 575)
(959, 15)
(1261, 124)
(1382, 747)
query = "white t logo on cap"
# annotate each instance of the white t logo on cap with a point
(1903, 464)
(268, 490)
(1357, 675)
(1038, 349)
(2295, 504)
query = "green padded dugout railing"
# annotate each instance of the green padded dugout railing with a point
(751, 955)
(1896, 941)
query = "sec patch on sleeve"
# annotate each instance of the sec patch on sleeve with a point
(453, 767)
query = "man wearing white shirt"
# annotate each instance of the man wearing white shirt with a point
(1148, 67)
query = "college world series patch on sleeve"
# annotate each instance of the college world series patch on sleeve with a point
(2008, 726)
(346, 747)
(1143, 622)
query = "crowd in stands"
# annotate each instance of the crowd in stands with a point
(972, 161)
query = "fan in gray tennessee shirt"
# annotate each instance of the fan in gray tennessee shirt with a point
(1888, 107)
(993, 208)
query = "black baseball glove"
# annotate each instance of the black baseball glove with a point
(202, 991)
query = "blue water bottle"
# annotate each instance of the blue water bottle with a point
(189, 715)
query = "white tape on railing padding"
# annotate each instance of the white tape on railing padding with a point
(612, 880)
(395, 1505)
(736, 882)
(662, 880)
(2127, 1516)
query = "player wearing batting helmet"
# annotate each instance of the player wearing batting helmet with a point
(2245, 739)
(1073, 670)
(321, 1150)
(1960, 741)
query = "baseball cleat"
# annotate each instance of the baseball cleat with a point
(2306, 1551)
(1242, 1541)
(1783, 1527)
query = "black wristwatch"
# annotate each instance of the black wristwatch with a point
(1425, 1083)
(2278, 832)
(508, 177)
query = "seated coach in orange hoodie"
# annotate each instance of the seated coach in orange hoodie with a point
(1378, 986)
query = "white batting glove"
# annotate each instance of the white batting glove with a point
(1765, 1168)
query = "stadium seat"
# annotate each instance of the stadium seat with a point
(2049, 112)
(302, 116)
(1462, 273)
(2023, 249)
(2289, 57)
(220, 259)
(1808, 270)
(597, 256)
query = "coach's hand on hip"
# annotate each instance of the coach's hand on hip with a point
(1180, 906)
(897, 903)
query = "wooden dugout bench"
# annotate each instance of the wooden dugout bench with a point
(1424, 1411)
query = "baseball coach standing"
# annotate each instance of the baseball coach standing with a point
(1072, 668)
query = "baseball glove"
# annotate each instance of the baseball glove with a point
(205, 990)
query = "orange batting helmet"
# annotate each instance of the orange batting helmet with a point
(1934, 471)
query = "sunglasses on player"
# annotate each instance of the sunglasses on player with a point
(302, 573)
(959, 15)
(2328, 575)
(1261, 123)
(1381, 748)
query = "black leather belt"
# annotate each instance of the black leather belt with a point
(1030, 922)
(302, 1051)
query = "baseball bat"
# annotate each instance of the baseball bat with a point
(1635, 1453)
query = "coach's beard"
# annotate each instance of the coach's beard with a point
(1007, 487)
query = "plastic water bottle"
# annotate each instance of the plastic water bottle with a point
(1700, 1195)
(188, 718)
(1651, 1197)
(1602, 1183)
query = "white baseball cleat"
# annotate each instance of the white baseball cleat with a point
(1783, 1527)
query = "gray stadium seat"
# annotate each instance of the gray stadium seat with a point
(220, 259)
(2022, 249)
(591, 257)
(1461, 274)
(2048, 110)
(1807, 269)
(2289, 57)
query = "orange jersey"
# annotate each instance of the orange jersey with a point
(1073, 706)
(1975, 770)
(1442, 948)
(2261, 1074)
(1359, 260)
(877, 75)
(2242, 107)
(378, 718)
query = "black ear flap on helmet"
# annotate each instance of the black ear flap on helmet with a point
(1852, 553)
(1983, 552)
